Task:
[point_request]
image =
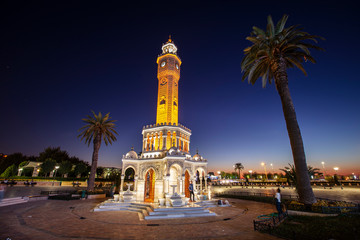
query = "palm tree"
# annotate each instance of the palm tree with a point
(97, 128)
(290, 173)
(238, 166)
(272, 52)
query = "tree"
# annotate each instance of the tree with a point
(65, 167)
(54, 153)
(97, 128)
(314, 171)
(239, 167)
(272, 52)
(291, 176)
(47, 166)
(80, 169)
(233, 175)
(9, 172)
(15, 158)
(99, 172)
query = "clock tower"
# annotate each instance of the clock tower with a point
(165, 160)
(167, 132)
(168, 77)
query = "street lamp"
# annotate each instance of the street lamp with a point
(336, 169)
(264, 165)
(56, 168)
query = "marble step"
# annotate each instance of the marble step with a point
(179, 212)
(119, 209)
(179, 215)
(12, 201)
(123, 206)
(112, 203)
(180, 209)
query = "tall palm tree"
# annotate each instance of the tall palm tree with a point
(272, 52)
(97, 128)
(238, 166)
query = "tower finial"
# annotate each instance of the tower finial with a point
(197, 151)
(170, 38)
(132, 148)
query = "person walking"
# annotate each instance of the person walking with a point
(191, 189)
(278, 201)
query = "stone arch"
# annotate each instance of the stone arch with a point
(129, 178)
(149, 188)
(175, 176)
(147, 169)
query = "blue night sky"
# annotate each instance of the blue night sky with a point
(61, 59)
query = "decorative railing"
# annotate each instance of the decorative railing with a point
(166, 124)
(269, 222)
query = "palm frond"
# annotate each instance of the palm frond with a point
(98, 125)
(290, 44)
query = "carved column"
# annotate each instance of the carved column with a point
(122, 182)
(136, 182)
(182, 184)
(206, 188)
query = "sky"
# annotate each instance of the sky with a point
(61, 59)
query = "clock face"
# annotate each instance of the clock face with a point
(177, 66)
(163, 64)
(163, 81)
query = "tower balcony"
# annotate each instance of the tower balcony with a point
(151, 126)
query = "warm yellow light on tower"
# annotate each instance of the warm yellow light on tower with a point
(168, 77)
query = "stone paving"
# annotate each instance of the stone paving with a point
(55, 219)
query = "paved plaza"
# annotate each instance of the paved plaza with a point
(351, 194)
(55, 219)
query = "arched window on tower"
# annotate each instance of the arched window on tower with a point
(162, 100)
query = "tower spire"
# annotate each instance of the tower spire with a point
(170, 38)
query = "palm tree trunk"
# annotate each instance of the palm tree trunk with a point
(303, 186)
(95, 157)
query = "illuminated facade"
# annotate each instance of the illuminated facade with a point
(165, 160)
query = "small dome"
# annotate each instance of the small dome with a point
(197, 156)
(132, 154)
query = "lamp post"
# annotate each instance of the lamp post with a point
(323, 165)
(219, 176)
(264, 165)
(56, 168)
(250, 171)
(336, 169)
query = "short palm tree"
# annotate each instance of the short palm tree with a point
(272, 52)
(290, 173)
(239, 167)
(97, 128)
